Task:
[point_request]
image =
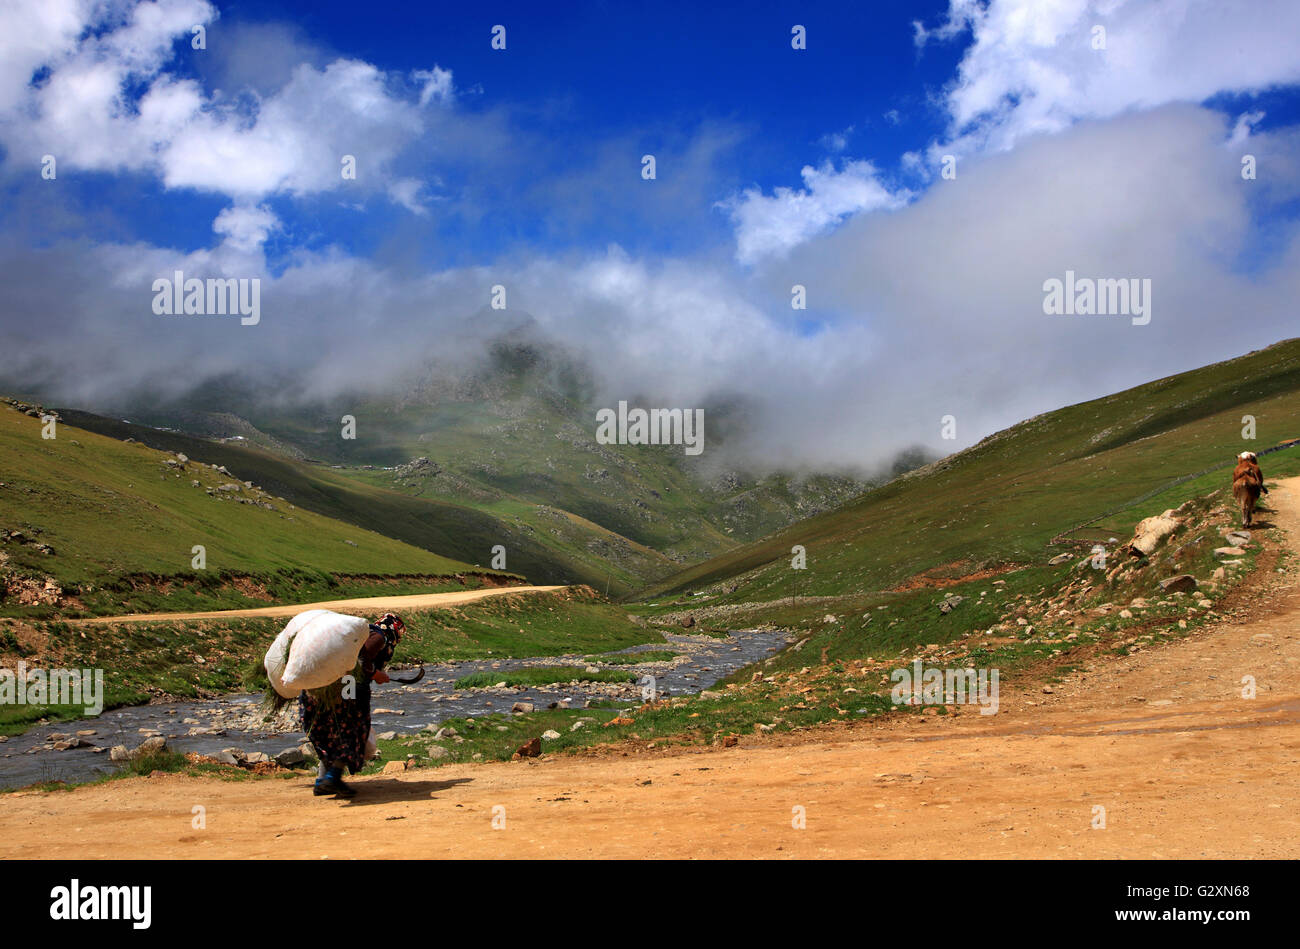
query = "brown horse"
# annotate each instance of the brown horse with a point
(1247, 485)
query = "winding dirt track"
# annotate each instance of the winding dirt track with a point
(363, 604)
(1162, 740)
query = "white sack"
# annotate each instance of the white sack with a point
(277, 657)
(324, 650)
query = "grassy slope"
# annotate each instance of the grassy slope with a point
(656, 497)
(110, 509)
(1206, 408)
(513, 442)
(521, 426)
(1005, 498)
(452, 529)
(840, 671)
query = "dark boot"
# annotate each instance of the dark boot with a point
(332, 783)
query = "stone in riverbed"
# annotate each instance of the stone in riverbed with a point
(147, 747)
(290, 757)
(150, 746)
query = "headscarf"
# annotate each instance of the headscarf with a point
(391, 622)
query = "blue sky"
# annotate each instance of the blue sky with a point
(581, 83)
(580, 94)
(819, 168)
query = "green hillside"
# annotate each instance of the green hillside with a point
(498, 451)
(544, 544)
(1004, 499)
(113, 522)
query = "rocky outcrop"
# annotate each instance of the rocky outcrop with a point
(1183, 583)
(1151, 532)
(420, 467)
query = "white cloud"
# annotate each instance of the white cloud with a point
(1032, 68)
(298, 138)
(771, 225)
(80, 112)
(245, 228)
(932, 309)
(291, 140)
(408, 193)
(32, 32)
(953, 282)
(836, 141)
(1246, 123)
(437, 85)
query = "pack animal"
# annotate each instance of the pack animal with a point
(1247, 485)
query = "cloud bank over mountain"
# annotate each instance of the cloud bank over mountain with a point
(924, 292)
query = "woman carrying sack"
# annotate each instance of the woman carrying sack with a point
(337, 719)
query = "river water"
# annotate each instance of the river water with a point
(209, 726)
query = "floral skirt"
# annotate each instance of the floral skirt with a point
(338, 726)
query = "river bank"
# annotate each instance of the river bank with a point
(235, 721)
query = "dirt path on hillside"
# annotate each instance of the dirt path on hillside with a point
(362, 604)
(1162, 740)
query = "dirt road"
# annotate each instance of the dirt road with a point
(1162, 740)
(363, 604)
